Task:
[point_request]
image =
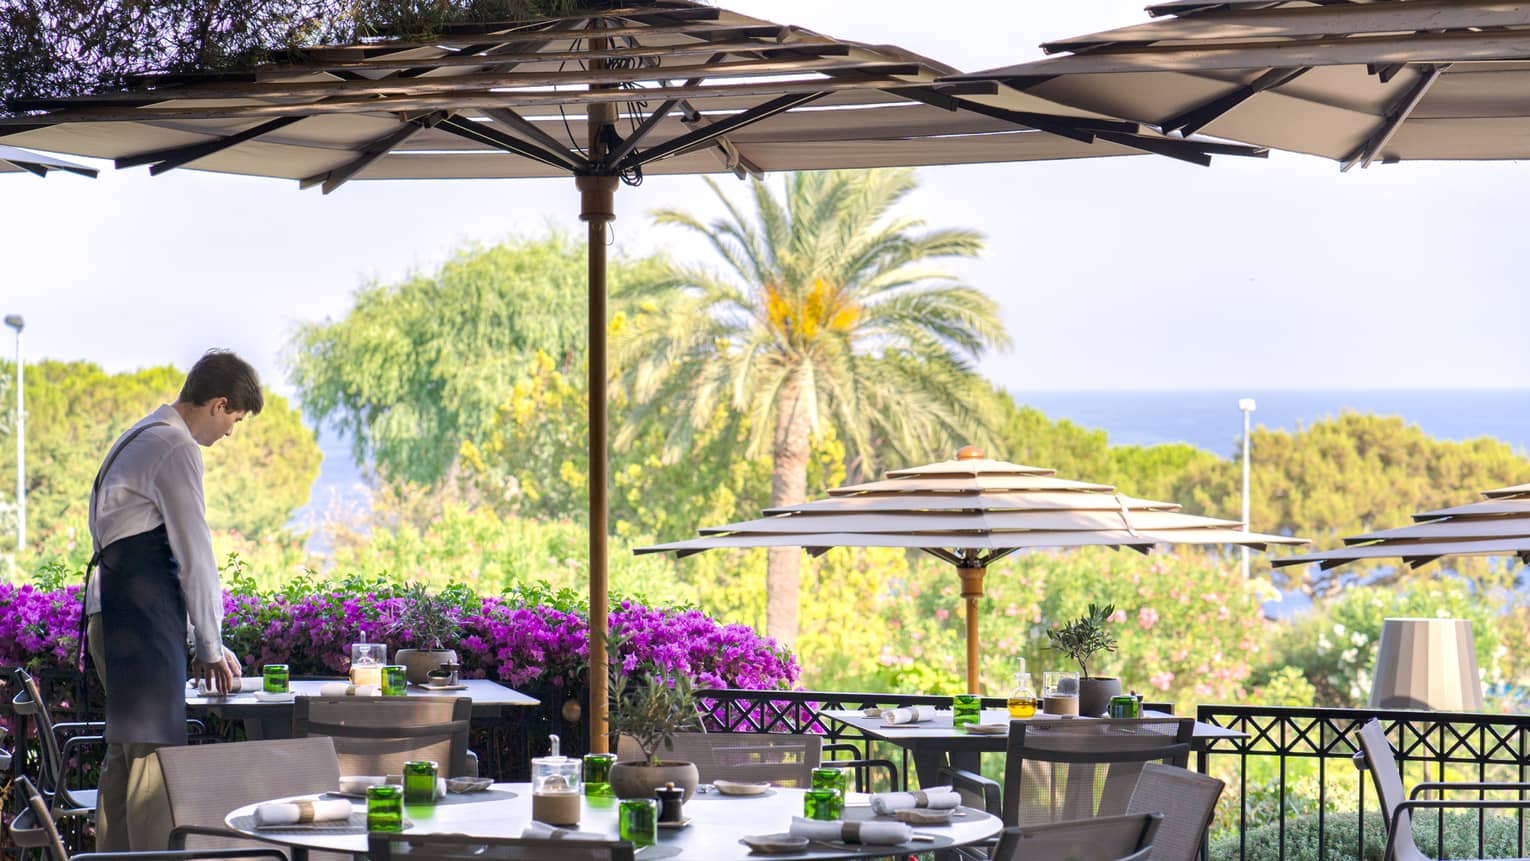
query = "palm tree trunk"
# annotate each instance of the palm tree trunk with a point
(788, 486)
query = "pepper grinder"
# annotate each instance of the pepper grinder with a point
(671, 800)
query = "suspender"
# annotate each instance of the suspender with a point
(95, 554)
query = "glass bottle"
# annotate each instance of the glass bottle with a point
(1022, 700)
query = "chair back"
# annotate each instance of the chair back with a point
(204, 782)
(1060, 770)
(33, 827)
(377, 735)
(1187, 801)
(1387, 777)
(779, 758)
(460, 847)
(1103, 838)
(30, 703)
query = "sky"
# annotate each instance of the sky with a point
(1136, 273)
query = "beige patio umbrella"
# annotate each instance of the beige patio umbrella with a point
(1499, 525)
(1387, 80)
(605, 96)
(972, 512)
(18, 160)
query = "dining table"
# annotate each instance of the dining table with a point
(937, 743)
(265, 717)
(713, 825)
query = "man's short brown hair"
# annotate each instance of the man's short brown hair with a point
(221, 374)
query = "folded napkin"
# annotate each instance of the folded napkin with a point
(299, 812)
(356, 784)
(543, 831)
(934, 798)
(344, 689)
(908, 714)
(869, 833)
(246, 685)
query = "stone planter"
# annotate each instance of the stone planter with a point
(1094, 695)
(636, 780)
(418, 662)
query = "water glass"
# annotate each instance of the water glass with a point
(831, 778)
(597, 774)
(274, 678)
(823, 804)
(385, 808)
(393, 684)
(965, 709)
(639, 821)
(420, 782)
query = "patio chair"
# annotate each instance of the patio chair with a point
(782, 759)
(461, 847)
(377, 735)
(1103, 838)
(204, 782)
(34, 828)
(1187, 801)
(1376, 757)
(51, 782)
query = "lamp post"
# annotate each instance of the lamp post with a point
(16, 322)
(1246, 406)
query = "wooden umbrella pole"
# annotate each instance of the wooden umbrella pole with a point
(597, 198)
(972, 592)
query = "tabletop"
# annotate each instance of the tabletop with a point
(489, 698)
(716, 822)
(941, 729)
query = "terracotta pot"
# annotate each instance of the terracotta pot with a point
(1094, 695)
(418, 662)
(636, 780)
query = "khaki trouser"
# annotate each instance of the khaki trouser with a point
(132, 809)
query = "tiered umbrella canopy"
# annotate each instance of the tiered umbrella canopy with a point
(1387, 80)
(604, 96)
(17, 160)
(1499, 525)
(972, 512)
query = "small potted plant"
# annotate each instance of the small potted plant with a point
(1082, 639)
(651, 706)
(430, 623)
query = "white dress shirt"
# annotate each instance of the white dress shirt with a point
(158, 479)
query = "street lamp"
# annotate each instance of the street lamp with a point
(1246, 405)
(15, 322)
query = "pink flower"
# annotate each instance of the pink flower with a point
(1161, 680)
(1118, 616)
(1147, 617)
(942, 614)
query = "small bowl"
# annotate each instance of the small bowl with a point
(742, 787)
(775, 844)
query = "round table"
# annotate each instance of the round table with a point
(716, 822)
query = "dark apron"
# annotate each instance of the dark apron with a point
(143, 619)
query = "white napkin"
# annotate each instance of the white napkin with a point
(297, 812)
(344, 689)
(934, 798)
(908, 714)
(869, 833)
(542, 831)
(356, 784)
(246, 685)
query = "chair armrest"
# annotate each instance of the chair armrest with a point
(843, 747)
(182, 855)
(91, 726)
(866, 764)
(964, 781)
(78, 741)
(1406, 807)
(1438, 786)
(181, 832)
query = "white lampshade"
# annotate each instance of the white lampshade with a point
(1427, 664)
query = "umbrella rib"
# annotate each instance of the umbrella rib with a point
(374, 150)
(482, 133)
(691, 140)
(174, 157)
(632, 52)
(1394, 120)
(528, 128)
(1193, 120)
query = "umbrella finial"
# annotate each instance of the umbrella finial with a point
(969, 452)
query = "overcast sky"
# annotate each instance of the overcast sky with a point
(1126, 273)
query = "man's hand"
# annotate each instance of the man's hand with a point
(213, 675)
(231, 660)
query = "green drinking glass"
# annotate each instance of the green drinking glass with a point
(385, 808)
(597, 774)
(823, 804)
(639, 821)
(420, 782)
(393, 684)
(965, 709)
(274, 678)
(831, 778)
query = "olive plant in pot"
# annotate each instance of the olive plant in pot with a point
(650, 706)
(428, 622)
(1082, 639)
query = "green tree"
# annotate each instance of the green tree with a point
(75, 410)
(828, 314)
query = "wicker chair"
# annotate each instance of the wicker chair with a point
(1376, 756)
(460, 847)
(778, 758)
(377, 735)
(1103, 838)
(1187, 801)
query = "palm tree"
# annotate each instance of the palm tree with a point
(826, 312)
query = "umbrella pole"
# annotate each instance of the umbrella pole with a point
(597, 199)
(972, 592)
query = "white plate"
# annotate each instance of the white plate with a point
(274, 698)
(740, 787)
(987, 728)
